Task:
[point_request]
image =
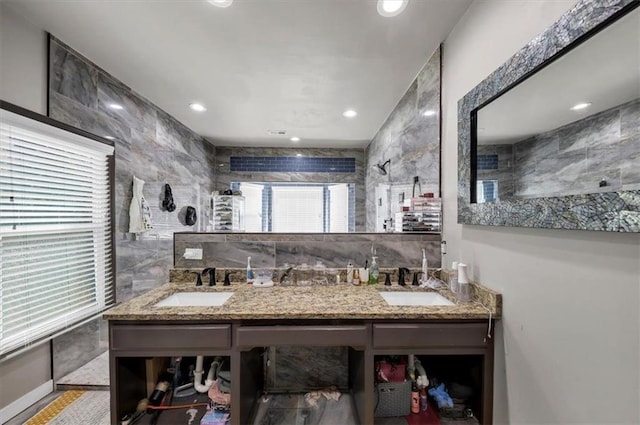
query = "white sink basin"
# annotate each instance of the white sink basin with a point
(194, 299)
(414, 298)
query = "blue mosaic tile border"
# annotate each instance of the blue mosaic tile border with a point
(292, 164)
(611, 211)
(487, 162)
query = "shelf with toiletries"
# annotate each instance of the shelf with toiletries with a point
(226, 213)
(428, 389)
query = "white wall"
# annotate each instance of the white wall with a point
(568, 345)
(23, 76)
(23, 62)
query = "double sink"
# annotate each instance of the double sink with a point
(217, 299)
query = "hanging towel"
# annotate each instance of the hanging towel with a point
(139, 211)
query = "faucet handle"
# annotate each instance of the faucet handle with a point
(198, 278)
(387, 279)
(227, 281)
(401, 273)
(212, 275)
(415, 281)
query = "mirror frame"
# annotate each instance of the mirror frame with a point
(609, 211)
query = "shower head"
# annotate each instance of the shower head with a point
(382, 169)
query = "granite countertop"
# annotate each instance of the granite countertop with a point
(304, 302)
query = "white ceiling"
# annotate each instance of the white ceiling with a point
(604, 71)
(258, 65)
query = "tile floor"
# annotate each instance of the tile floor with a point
(94, 376)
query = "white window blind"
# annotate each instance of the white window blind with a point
(297, 209)
(55, 230)
(339, 208)
(253, 206)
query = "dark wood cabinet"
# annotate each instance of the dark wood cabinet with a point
(132, 343)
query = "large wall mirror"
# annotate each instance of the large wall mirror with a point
(552, 138)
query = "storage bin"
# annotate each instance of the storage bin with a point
(392, 399)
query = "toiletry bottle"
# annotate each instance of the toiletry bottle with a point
(356, 277)
(374, 271)
(453, 278)
(464, 290)
(249, 271)
(415, 398)
(350, 272)
(425, 268)
(423, 400)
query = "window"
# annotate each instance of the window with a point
(297, 209)
(487, 191)
(55, 229)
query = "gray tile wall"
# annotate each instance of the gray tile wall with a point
(504, 173)
(149, 144)
(224, 176)
(409, 138)
(334, 250)
(574, 158)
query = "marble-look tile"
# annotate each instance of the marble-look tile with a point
(71, 76)
(75, 348)
(597, 130)
(630, 119)
(409, 139)
(234, 254)
(73, 113)
(303, 368)
(137, 112)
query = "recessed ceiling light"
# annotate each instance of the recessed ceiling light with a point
(295, 139)
(389, 8)
(221, 3)
(580, 106)
(197, 107)
(298, 154)
(109, 137)
(349, 113)
(115, 106)
(429, 113)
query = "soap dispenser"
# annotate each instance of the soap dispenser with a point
(249, 271)
(374, 271)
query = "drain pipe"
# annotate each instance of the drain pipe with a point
(197, 374)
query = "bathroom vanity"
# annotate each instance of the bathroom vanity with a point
(253, 319)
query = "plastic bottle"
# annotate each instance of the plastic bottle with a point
(415, 399)
(249, 271)
(425, 267)
(350, 272)
(453, 278)
(356, 277)
(464, 290)
(374, 272)
(423, 400)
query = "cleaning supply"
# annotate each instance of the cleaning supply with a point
(425, 267)
(374, 272)
(415, 398)
(423, 400)
(249, 271)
